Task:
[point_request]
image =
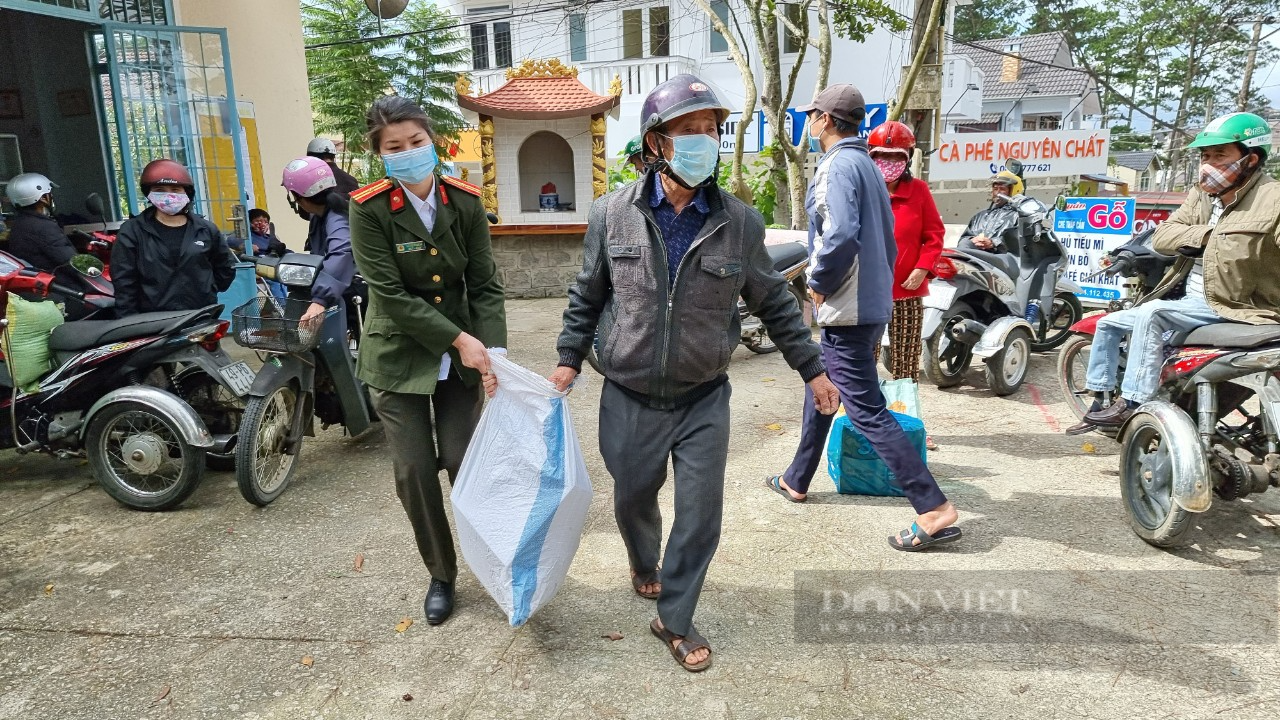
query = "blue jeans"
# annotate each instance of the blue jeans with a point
(1145, 325)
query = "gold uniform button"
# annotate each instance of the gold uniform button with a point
(434, 251)
(438, 299)
(435, 278)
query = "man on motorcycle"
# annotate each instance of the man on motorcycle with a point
(996, 228)
(324, 149)
(34, 235)
(1225, 238)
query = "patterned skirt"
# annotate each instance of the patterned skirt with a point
(904, 338)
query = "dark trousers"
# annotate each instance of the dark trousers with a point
(850, 355)
(636, 442)
(418, 458)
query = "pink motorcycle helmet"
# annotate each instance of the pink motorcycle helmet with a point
(307, 177)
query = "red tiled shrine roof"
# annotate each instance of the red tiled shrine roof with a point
(540, 98)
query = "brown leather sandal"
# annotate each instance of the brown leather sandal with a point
(639, 580)
(689, 643)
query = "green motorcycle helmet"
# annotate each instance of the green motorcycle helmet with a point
(634, 147)
(1247, 129)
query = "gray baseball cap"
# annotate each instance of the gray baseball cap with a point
(840, 100)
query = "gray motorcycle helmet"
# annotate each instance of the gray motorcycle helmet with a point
(26, 189)
(322, 146)
(681, 95)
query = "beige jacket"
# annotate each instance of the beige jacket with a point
(1241, 253)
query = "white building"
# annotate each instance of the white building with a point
(645, 42)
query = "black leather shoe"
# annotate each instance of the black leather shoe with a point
(1113, 415)
(439, 605)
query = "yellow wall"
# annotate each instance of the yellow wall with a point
(269, 68)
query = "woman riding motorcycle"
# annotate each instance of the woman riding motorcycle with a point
(312, 187)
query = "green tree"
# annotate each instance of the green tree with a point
(986, 20)
(346, 76)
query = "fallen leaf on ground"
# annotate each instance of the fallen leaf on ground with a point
(1089, 447)
(615, 635)
(407, 697)
(164, 693)
(359, 562)
(404, 624)
(48, 589)
(767, 380)
(773, 426)
(308, 660)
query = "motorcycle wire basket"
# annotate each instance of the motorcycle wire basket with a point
(271, 324)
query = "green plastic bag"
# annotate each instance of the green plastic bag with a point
(902, 396)
(26, 343)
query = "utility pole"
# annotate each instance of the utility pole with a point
(1242, 102)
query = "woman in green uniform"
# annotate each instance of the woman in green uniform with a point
(421, 241)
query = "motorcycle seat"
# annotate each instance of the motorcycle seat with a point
(1229, 335)
(85, 334)
(1005, 262)
(787, 255)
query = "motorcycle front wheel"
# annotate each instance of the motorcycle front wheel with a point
(944, 360)
(141, 459)
(1055, 325)
(1147, 479)
(263, 468)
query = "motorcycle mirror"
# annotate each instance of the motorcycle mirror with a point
(87, 265)
(493, 219)
(1061, 203)
(1014, 166)
(95, 206)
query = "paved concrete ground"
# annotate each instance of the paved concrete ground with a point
(209, 611)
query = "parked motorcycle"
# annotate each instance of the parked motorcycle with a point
(1211, 431)
(1142, 267)
(791, 259)
(310, 373)
(978, 306)
(145, 446)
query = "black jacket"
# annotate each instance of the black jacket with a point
(150, 276)
(38, 240)
(347, 183)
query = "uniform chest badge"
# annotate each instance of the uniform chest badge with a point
(397, 201)
(409, 247)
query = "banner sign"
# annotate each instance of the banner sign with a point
(978, 156)
(760, 134)
(1089, 228)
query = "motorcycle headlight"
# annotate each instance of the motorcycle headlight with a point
(296, 275)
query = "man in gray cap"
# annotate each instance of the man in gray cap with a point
(851, 256)
(664, 263)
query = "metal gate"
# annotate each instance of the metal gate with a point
(167, 92)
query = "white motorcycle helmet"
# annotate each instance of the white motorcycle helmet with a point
(26, 189)
(321, 146)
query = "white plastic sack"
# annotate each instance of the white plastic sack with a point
(521, 497)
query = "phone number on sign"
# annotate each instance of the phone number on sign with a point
(1027, 167)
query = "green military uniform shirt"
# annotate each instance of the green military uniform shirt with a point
(425, 288)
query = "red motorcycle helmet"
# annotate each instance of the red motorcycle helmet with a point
(166, 172)
(892, 135)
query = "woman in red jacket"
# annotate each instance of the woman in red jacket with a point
(917, 228)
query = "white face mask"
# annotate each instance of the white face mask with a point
(169, 203)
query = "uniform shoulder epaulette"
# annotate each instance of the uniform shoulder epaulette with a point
(462, 185)
(371, 190)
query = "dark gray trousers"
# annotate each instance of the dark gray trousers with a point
(418, 458)
(636, 442)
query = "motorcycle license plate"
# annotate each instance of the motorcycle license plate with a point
(239, 377)
(941, 293)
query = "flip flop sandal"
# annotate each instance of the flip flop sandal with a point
(774, 483)
(692, 641)
(638, 580)
(945, 535)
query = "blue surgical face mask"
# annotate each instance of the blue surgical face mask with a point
(815, 141)
(412, 166)
(694, 158)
